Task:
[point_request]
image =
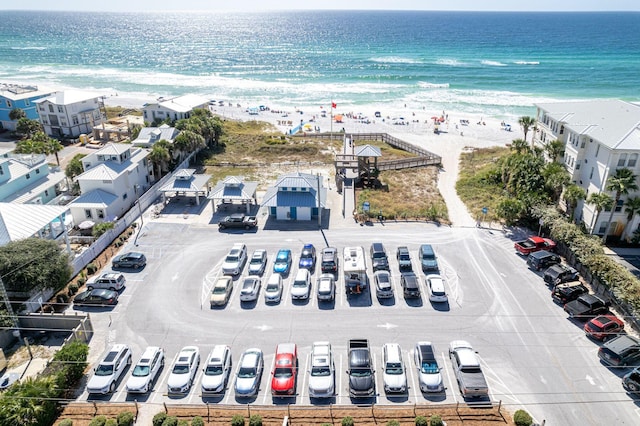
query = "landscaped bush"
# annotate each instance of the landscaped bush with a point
(347, 421)
(111, 422)
(421, 421)
(255, 420)
(62, 298)
(237, 420)
(158, 419)
(98, 421)
(183, 422)
(72, 289)
(68, 365)
(197, 421)
(91, 268)
(66, 422)
(170, 421)
(81, 281)
(126, 418)
(522, 418)
(435, 420)
(393, 423)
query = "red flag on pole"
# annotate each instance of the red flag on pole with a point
(333, 105)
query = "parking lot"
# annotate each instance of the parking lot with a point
(531, 354)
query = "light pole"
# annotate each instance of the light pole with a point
(136, 187)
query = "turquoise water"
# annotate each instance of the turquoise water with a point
(491, 63)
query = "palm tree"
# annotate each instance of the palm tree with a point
(556, 177)
(160, 156)
(520, 146)
(632, 208)
(572, 194)
(554, 149)
(31, 402)
(601, 201)
(622, 182)
(526, 123)
(16, 114)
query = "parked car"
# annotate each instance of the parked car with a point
(322, 374)
(426, 362)
(329, 260)
(8, 379)
(249, 373)
(542, 259)
(404, 259)
(96, 297)
(468, 372)
(146, 370)
(221, 291)
(110, 281)
(558, 274)
(435, 288)
(566, 292)
(427, 257)
(217, 370)
(394, 375)
(383, 283)
(586, 306)
(250, 289)
(109, 370)
(533, 244)
(258, 262)
(301, 287)
(604, 327)
(410, 285)
(131, 259)
(285, 370)
(308, 257)
(282, 264)
(184, 370)
(326, 288)
(379, 259)
(631, 381)
(621, 351)
(235, 260)
(273, 289)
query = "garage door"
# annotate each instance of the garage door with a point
(304, 213)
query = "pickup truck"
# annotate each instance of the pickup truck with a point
(361, 374)
(467, 370)
(238, 220)
(586, 307)
(531, 244)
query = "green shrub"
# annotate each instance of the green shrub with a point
(435, 420)
(347, 421)
(421, 421)
(92, 268)
(393, 423)
(326, 424)
(66, 422)
(98, 421)
(183, 423)
(69, 364)
(126, 418)
(73, 289)
(158, 419)
(101, 228)
(522, 418)
(197, 421)
(62, 298)
(255, 420)
(237, 420)
(82, 281)
(111, 422)
(170, 421)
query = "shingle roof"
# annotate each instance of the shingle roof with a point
(19, 221)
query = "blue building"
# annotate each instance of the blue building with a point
(14, 96)
(296, 196)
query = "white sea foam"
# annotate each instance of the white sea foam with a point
(526, 62)
(427, 85)
(450, 62)
(395, 60)
(493, 63)
(28, 48)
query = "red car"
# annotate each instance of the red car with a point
(604, 327)
(285, 370)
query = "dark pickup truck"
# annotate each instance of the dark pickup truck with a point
(361, 374)
(533, 244)
(586, 307)
(238, 220)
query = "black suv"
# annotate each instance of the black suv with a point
(404, 259)
(558, 274)
(379, 258)
(410, 285)
(566, 292)
(542, 259)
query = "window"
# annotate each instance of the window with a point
(100, 214)
(74, 120)
(37, 171)
(44, 120)
(578, 165)
(619, 205)
(124, 196)
(87, 213)
(1, 171)
(28, 176)
(27, 103)
(603, 227)
(633, 159)
(622, 160)
(50, 108)
(41, 108)
(8, 103)
(46, 192)
(60, 109)
(591, 174)
(584, 142)
(597, 150)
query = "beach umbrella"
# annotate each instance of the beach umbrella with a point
(338, 118)
(87, 224)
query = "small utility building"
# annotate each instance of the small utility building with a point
(296, 196)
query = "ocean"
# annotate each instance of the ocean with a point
(497, 64)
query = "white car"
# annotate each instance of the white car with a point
(146, 370)
(301, 285)
(258, 262)
(250, 289)
(429, 376)
(394, 375)
(326, 288)
(109, 370)
(110, 281)
(235, 260)
(322, 374)
(249, 373)
(217, 370)
(435, 288)
(184, 370)
(273, 289)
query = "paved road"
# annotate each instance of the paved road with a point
(532, 355)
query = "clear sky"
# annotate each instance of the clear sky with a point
(249, 5)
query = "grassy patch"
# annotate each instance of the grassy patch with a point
(388, 152)
(476, 185)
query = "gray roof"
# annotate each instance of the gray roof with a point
(70, 97)
(195, 184)
(94, 198)
(110, 170)
(368, 151)
(612, 122)
(37, 187)
(298, 180)
(234, 188)
(150, 135)
(19, 221)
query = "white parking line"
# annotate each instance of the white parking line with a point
(415, 384)
(194, 386)
(268, 389)
(375, 381)
(453, 386)
(304, 372)
(339, 373)
(164, 378)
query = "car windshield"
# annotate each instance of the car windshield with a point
(427, 257)
(140, 371)
(104, 370)
(283, 373)
(360, 373)
(248, 286)
(595, 327)
(213, 370)
(256, 261)
(404, 256)
(306, 255)
(379, 255)
(272, 287)
(393, 368)
(438, 293)
(180, 369)
(299, 283)
(231, 259)
(320, 371)
(429, 367)
(246, 373)
(219, 290)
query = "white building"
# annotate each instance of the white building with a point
(148, 136)
(70, 113)
(113, 179)
(599, 137)
(174, 109)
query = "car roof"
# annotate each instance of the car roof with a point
(250, 357)
(217, 354)
(148, 354)
(258, 252)
(283, 252)
(113, 352)
(606, 319)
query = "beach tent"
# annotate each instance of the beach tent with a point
(338, 118)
